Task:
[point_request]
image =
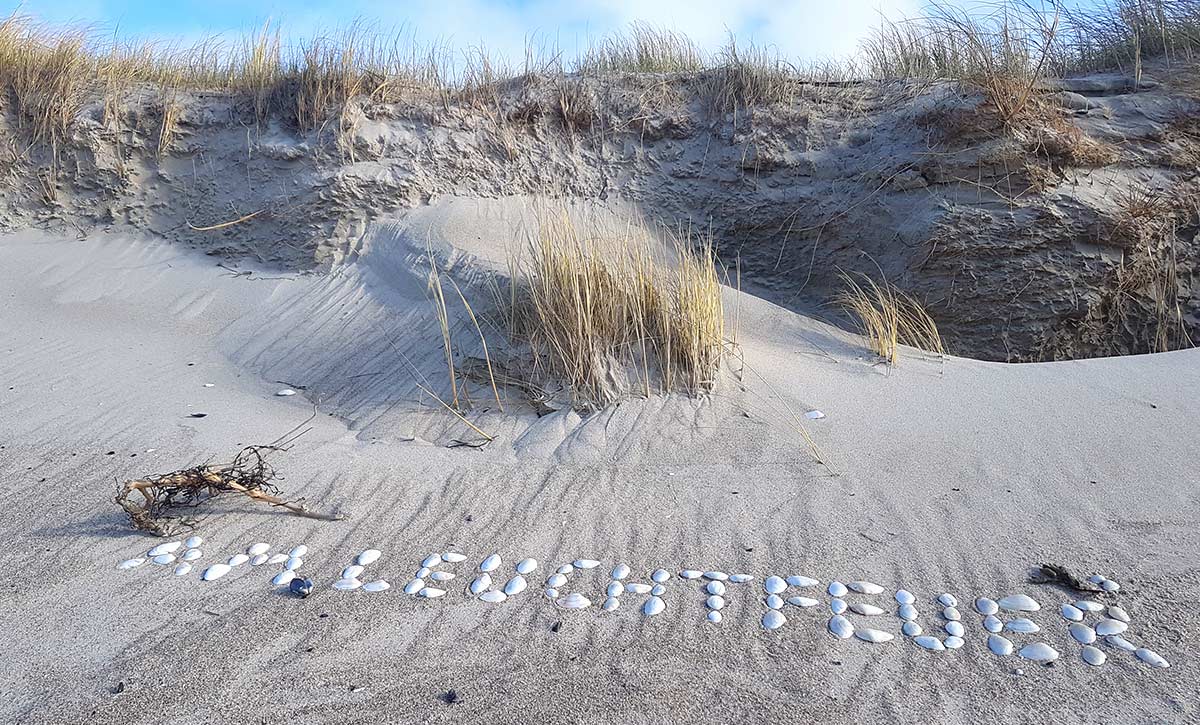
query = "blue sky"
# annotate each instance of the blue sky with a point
(805, 29)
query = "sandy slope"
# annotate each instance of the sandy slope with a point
(942, 476)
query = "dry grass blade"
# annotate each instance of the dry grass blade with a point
(888, 318)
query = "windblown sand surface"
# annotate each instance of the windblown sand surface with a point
(942, 476)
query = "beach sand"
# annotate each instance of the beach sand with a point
(940, 475)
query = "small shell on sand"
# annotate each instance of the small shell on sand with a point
(574, 600)
(1087, 605)
(953, 642)
(298, 551)
(261, 547)
(802, 601)
(565, 569)
(774, 601)
(948, 600)
(716, 587)
(526, 566)
(1071, 613)
(875, 636)
(716, 575)
(658, 590)
(773, 619)
(283, 578)
(908, 612)
(368, 557)
(910, 629)
(715, 602)
(216, 571)
(837, 589)
(903, 596)
(999, 645)
(715, 617)
(1039, 652)
(277, 558)
(1019, 603)
(414, 586)
(838, 606)
(620, 571)
(799, 580)
(1093, 656)
(452, 557)
(867, 610)
(840, 627)
(586, 563)
(182, 568)
(286, 392)
(431, 593)
(378, 585)
(653, 606)
(552, 594)
(481, 583)
(293, 563)
(489, 564)
(433, 560)
(493, 597)
(1115, 612)
(258, 560)
(1022, 625)
(164, 559)
(557, 580)
(865, 587)
(352, 571)
(238, 559)
(1082, 633)
(740, 578)
(615, 589)
(638, 588)
(1110, 627)
(168, 548)
(955, 629)
(441, 576)
(193, 541)
(933, 644)
(1120, 643)
(983, 605)
(345, 585)
(610, 604)
(1152, 658)
(691, 574)
(515, 586)
(774, 585)
(992, 623)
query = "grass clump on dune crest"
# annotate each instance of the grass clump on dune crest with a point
(612, 312)
(889, 317)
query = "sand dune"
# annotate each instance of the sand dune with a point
(941, 475)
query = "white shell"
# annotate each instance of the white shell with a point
(574, 600)
(992, 623)
(691, 574)
(999, 645)
(910, 629)
(286, 392)
(653, 606)
(1110, 627)
(274, 558)
(953, 642)
(1109, 585)
(908, 612)
(837, 606)
(216, 571)
(163, 559)
(614, 589)
(874, 635)
(352, 571)
(453, 557)
(283, 577)
(658, 590)
(1120, 642)
(930, 643)
(193, 542)
(515, 586)
(378, 585)
(414, 586)
(566, 569)
(715, 587)
(1118, 614)
(493, 597)
(433, 560)
(865, 587)
(799, 580)
(802, 601)
(610, 604)
(1082, 633)
(1022, 625)
(258, 560)
(716, 575)
(951, 614)
(1071, 613)
(1095, 578)
(715, 617)
(740, 578)
(620, 571)
(261, 547)
(481, 583)
(638, 588)
(586, 563)
(298, 551)
(903, 596)
(183, 568)
(490, 563)
(948, 600)
(552, 594)
(955, 629)
(867, 610)
(814, 415)
(526, 566)
(441, 576)
(774, 585)
(557, 580)
(837, 589)
(131, 563)
(346, 584)
(1093, 656)
(293, 563)
(1152, 658)
(841, 627)
(714, 602)
(168, 548)
(1019, 603)
(1088, 605)
(238, 559)
(983, 605)
(773, 619)
(660, 575)
(431, 593)
(1038, 652)
(368, 557)
(774, 601)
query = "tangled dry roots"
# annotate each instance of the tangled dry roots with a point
(168, 499)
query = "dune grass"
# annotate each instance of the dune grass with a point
(888, 317)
